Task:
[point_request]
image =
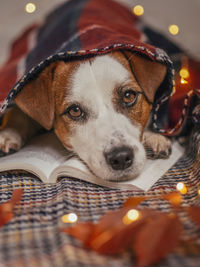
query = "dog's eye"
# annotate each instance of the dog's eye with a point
(129, 98)
(74, 112)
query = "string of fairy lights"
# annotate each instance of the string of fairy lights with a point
(138, 10)
(132, 214)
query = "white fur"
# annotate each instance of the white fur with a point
(92, 86)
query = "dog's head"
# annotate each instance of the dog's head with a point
(98, 108)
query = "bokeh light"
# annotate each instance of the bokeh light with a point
(69, 218)
(131, 216)
(173, 29)
(181, 188)
(138, 10)
(30, 7)
(184, 73)
(183, 81)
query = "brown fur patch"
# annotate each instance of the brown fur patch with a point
(139, 112)
(37, 99)
(149, 74)
(63, 125)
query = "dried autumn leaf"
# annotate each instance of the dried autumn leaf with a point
(6, 213)
(117, 231)
(111, 234)
(107, 228)
(194, 213)
(16, 196)
(174, 198)
(156, 239)
(134, 202)
(110, 220)
(88, 231)
(120, 233)
(113, 241)
(6, 209)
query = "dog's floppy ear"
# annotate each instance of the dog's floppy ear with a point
(37, 98)
(149, 74)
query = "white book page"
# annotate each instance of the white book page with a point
(153, 170)
(46, 157)
(41, 156)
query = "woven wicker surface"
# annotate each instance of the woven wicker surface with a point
(33, 237)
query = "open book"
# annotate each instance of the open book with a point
(46, 158)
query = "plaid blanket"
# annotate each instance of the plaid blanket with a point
(94, 27)
(77, 29)
(33, 237)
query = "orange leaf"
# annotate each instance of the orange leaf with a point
(117, 235)
(156, 239)
(194, 213)
(110, 235)
(81, 231)
(133, 201)
(6, 209)
(174, 198)
(117, 240)
(6, 213)
(111, 220)
(107, 227)
(16, 196)
(86, 232)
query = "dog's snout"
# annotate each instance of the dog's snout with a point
(120, 158)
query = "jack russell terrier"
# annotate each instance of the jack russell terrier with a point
(98, 106)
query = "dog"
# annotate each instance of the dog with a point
(99, 109)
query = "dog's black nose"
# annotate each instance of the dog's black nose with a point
(120, 158)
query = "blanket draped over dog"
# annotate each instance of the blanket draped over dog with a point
(79, 29)
(76, 29)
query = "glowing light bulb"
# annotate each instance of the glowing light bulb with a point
(173, 29)
(69, 218)
(183, 81)
(138, 10)
(181, 188)
(131, 216)
(199, 192)
(184, 73)
(30, 7)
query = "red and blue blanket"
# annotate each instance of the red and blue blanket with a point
(80, 29)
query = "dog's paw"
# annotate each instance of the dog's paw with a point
(156, 145)
(10, 141)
